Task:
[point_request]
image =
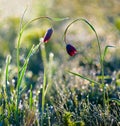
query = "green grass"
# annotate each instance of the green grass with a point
(92, 103)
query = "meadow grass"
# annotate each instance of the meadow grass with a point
(96, 104)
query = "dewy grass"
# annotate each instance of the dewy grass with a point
(11, 113)
(102, 56)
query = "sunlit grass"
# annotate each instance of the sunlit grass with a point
(59, 99)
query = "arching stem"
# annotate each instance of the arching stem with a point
(20, 35)
(22, 28)
(99, 47)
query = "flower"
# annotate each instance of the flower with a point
(71, 50)
(48, 35)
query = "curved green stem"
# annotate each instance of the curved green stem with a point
(21, 74)
(20, 35)
(99, 47)
(22, 28)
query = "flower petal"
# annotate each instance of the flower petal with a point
(48, 35)
(71, 50)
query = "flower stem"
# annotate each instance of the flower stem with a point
(22, 28)
(99, 49)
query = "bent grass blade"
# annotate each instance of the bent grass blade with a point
(83, 77)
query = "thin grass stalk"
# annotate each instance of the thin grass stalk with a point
(43, 98)
(23, 70)
(19, 39)
(21, 75)
(31, 98)
(5, 93)
(86, 78)
(103, 59)
(44, 59)
(7, 75)
(50, 72)
(47, 75)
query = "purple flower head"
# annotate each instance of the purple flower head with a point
(48, 35)
(71, 50)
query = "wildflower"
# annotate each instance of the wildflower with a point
(48, 35)
(71, 50)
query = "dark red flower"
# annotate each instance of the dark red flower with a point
(71, 50)
(48, 35)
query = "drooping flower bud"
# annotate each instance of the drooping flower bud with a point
(71, 50)
(48, 35)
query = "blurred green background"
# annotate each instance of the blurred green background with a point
(103, 14)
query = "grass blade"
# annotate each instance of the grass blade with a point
(31, 98)
(43, 98)
(7, 74)
(105, 51)
(83, 77)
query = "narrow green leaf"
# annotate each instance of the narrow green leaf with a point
(23, 69)
(89, 24)
(83, 77)
(105, 51)
(31, 98)
(22, 74)
(6, 71)
(21, 21)
(7, 75)
(31, 52)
